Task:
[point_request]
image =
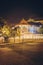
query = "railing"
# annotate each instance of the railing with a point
(23, 38)
(33, 36)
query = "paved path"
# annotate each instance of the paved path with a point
(21, 54)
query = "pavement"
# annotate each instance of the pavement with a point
(21, 54)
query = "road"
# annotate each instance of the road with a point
(21, 54)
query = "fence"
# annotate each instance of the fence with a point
(23, 38)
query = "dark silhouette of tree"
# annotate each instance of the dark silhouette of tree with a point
(2, 22)
(16, 32)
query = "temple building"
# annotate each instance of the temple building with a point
(23, 25)
(29, 26)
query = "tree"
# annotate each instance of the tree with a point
(18, 32)
(2, 22)
(14, 32)
(41, 29)
(6, 32)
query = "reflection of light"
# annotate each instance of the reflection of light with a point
(5, 49)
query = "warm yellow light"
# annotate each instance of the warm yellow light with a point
(5, 30)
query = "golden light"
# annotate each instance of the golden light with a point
(5, 30)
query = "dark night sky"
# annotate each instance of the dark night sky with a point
(15, 10)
